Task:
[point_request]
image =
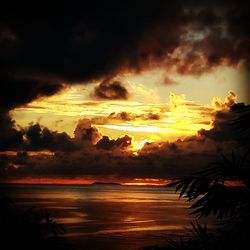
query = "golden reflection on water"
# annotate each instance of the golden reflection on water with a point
(126, 230)
(90, 212)
(121, 195)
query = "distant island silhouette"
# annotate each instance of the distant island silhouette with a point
(106, 183)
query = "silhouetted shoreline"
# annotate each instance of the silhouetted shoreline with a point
(106, 183)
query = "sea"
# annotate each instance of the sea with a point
(108, 216)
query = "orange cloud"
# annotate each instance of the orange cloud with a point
(230, 100)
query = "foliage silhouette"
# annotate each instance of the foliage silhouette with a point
(211, 190)
(29, 229)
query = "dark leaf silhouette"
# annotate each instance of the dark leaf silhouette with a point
(29, 228)
(209, 191)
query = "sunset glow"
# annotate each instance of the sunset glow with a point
(92, 103)
(174, 119)
(125, 125)
(85, 181)
(131, 131)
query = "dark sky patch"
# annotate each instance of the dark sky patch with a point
(114, 90)
(43, 46)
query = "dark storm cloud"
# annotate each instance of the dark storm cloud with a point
(114, 90)
(15, 92)
(10, 137)
(86, 133)
(39, 138)
(71, 44)
(42, 46)
(18, 91)
(107, 143)
(225, 126)
(156, 160)
(128, 116)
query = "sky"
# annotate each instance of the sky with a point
(131, 92)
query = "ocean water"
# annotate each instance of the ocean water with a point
(100, 217)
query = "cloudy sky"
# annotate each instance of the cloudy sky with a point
(125, 91)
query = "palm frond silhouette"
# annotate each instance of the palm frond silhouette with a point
(29, 228)
(221, 189)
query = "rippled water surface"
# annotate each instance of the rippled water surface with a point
(109, 216)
